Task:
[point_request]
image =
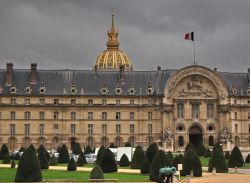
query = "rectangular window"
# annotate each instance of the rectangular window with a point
(210, 110)
(195, 111)
(90, 102)
(56, 129)
(27, 101)
(41, 129)
(104, 115)
(90, 129)
(118, 129)
(149, 101)
(104, 101)
(132, 128)
(104, 129)
(235, 115)
(12, 101)
(132, 115)
(118, 101)
(41, 101)
(41, 115)
(12, 129)
(236, 128)
(73, 115)
(26, 129)
(12, 115)
(73, 101)
(73, 129)
(249, 128)
(56, 101)
(90, 115)
(132, 102)
(150, 116)
(180, 110)
(56, 115)
(27, 115)
(150, 128)
(118, 115)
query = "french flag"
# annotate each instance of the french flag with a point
(189, 36)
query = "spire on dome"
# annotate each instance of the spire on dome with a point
(113, 42)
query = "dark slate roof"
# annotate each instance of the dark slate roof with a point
(58, 82)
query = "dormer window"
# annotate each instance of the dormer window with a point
(118, 90)
(104, 89)
(73, 89)
(150, 89)
(248, 90)
(42, 88)
(13, 90)
(28, 90)
(234, 91)
(131, 90)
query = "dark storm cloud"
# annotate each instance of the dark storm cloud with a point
(69, 34)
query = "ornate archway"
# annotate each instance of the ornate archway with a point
(195, 135)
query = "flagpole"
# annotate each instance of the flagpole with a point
(194, 52)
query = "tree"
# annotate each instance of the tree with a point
(72, 165)
(124, 161)
(160, 160)
(99, 154)
(170, 157)
(137, 158)
(77, 149)
(53, 161)
(88, 150)
(81, 159)
(247, 159)
(127, 144)
(151, 151)
(189, 146)
(43, 159)
(6, 159)
(201, 150)
(227, 155)
(63, 155)
(42, 148)
(4, 150)
(235, 159)
(190, 162)
(96, 173)
(177, 160)
(107, 162)
(145, 167)
(28, 169)
(217, 160)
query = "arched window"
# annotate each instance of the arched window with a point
(181, 141)
(237, 141)
(132, 141)
(118, 141)
(210, 141)
(104, 141)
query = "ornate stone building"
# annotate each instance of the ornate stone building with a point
(113, 103)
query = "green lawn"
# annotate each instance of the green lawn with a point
(204, 161)
(8, 175)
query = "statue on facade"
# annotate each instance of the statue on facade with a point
(167, 135)
(226, 136)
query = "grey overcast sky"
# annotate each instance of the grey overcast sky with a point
(70, 34)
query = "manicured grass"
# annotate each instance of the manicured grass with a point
(204, 161)
(8, 175)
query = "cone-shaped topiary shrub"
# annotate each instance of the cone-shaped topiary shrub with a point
(235, 159)
(227, 155)
(189, 146)
(77, 149)
(4, 150)
(33, 147)
(96, 173)
(247, 159)
(137, 158)
(160, 160)
(6, 159)
(170, 157)
(13, 164)
(127, 144)
(208, 153)
(112, 145)
(42, 148)
(99, 154)
(53, 161)
(145, 167)
(28, 169)
(88, 150)
(81, 160)
(201, 150)
(63, 155)
(177, 160)
(124, 161)
(43, 160)
(190, 162)
(22, 149)
(16, 156)
(217, 160)
(107, 162)
(72, 165)
(151, 151)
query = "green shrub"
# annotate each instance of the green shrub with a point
(127, 144)
(217, 160)
(53, 161)
(201, 150)
(28, 169)
(63, 155)
(42, 148)
(4, 150)
(107, 162)
(22, 149)
(137, 158)
(99, 154)
(112, 145)
(151, 151)
(160, 160)
(177, 160)
(72, 165)
(247, 159)
(124, 161)
(88, 150)
(208, 153)
(190, 162)
(189, 146)
(81, 159)
(32, 147)
(43, 159)
(77, 149)
(170, 157)
(6, 159)
(16, 156)
(235, 159)
(227, 155)
(96, 173)
(13, 164)
(145, 167)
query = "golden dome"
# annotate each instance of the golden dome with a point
(112, 58)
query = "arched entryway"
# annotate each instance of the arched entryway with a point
(195, 135)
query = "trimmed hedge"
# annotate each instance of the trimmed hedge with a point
(4, 150)
(177, 160)
(77, 149)
(227, 155)
(151, 151)
(235, 159)
(43, 159)
(63, 155)
(6, 159)
(145, 167)
(247, 159)
(99, 154)
(107, 162)
(53, 161)
(201, 150)
(127, 144)
(124, 161)
(137, 158)
(72, 165)
(13, 164)
(81, 159)
(96, 173)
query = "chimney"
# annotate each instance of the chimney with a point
(95, 71)
(9, 74)
(158, 68)
(33, 73)
(122, 74)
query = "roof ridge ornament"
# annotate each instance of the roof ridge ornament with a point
(113, 42)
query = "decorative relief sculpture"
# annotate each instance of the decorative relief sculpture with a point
(226, 135)
(167, 135)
